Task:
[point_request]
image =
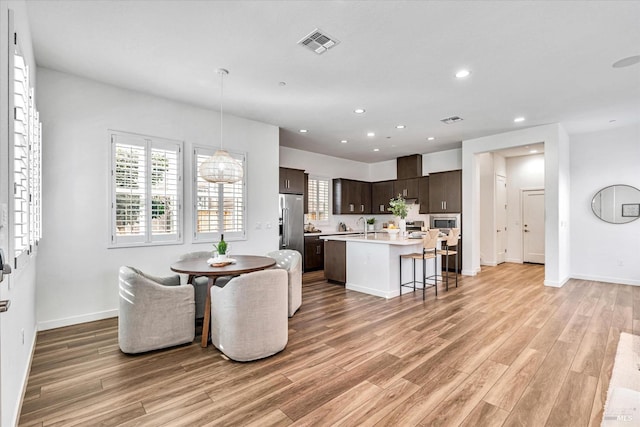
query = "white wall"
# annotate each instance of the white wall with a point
(599, 250)
(523, 173)
(19, 287)
(557, 186)
(487, 209)
(77, 274)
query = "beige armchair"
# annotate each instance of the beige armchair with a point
(249, 315)
(199, 283)
(155, 312)
(291, 261)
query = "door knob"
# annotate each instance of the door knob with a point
(4, 305)
(526, 231)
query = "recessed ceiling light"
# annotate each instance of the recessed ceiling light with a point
(627, 62)
(371, 134)
(282, 84)
(359, 110)
(303, 131)
(533, 151)
(462, 74)
(344, 141)
(431, 138)
(400, 126)
(518, 119)
(376, 149)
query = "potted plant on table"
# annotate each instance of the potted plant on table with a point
(398, 207)
(221, 248)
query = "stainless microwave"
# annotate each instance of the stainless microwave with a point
(445, 222)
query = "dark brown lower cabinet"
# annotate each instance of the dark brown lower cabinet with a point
(313, 253)
(335, 261)
(451, 266)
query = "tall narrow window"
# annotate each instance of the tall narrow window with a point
(218, 208)
(146, 190)
(25, 149)
(318, 190)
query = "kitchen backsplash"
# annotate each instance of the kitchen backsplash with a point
(352, 220)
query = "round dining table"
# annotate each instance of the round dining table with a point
(199, 267)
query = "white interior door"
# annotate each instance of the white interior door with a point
(533, 226)
(501, 218)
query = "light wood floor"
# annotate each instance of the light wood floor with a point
(501, 349)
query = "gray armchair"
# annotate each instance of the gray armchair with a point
(199, 282)
(249, 315)
(291, 261)
(155, 312)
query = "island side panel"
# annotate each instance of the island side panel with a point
(374, 268)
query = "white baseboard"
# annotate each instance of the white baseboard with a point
(373, 291)
(489, 264)
(514, 260)
(470, 272)
(74, 320)
(607, 279)
(554, 284)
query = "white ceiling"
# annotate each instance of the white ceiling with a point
(546, 61)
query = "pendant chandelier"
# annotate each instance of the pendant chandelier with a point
(221, 168)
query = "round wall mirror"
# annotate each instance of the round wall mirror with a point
(617, 204)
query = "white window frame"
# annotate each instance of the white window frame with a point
(25, 203)
(317, 203)
(147, 237)
(208, 237)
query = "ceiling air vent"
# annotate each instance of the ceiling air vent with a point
(452, 119)
(318, 41)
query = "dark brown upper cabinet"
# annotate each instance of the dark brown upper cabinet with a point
(407, 188)
(423, 195)
(351, 196)
(292, 181)
(409, 166)
(445, 192)
(381, 193)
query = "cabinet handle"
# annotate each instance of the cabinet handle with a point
(445, 205)
(381, 208)
(318, 250)
(351, 207)
(404, 192)
(361, 208)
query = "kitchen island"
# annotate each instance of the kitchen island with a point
(372, 263)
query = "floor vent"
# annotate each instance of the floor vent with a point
(318, 41)
(452, 119)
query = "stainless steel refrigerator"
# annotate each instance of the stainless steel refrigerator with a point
(292, 222)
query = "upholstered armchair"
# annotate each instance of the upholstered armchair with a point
(155, 312)
(249, 315)
(199, 282)
(291, 261)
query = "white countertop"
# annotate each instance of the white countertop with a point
(377, 237)
(329, 233)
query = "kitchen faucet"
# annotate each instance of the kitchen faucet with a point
(364, 225)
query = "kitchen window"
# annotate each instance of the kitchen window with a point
(218, 208)
(146, 190)
(318, 199)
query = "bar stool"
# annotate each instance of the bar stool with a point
(450, 248)
(428, 252)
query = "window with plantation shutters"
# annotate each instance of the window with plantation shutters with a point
(25, 164)
(218, 208)
(318, 208)
(146, 190)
